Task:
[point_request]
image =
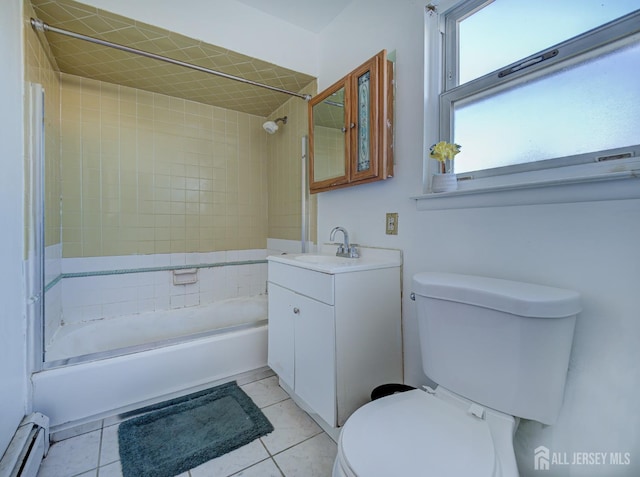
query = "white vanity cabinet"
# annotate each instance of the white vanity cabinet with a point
(334, 334)
(303, 344)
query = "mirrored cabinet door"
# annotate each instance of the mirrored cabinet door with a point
(351, 128)
(328, 138)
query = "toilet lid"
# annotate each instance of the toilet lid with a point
(415, 433)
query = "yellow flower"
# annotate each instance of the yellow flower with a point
(444, 151)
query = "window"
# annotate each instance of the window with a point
(533, 86)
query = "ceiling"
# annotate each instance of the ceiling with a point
(308, 14)
(102, 63)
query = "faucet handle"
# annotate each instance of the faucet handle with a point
(353, 251)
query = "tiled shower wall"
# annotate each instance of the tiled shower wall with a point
(285, 169)
(144, 173)
(146, 284)
(133, 176)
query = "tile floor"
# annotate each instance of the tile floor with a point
(296, 447)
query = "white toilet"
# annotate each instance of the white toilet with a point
(499, 350)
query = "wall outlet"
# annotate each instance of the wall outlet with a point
(392, 223)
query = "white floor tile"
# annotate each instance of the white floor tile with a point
(91, 473)
(256, 375)
(232, 462)
(72, 456)
(109, 451)
(111, 470)
(265, 392)
(291, 426)
(312, 458)
(265, 468)
(76, 431)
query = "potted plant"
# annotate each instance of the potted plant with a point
(444, 180)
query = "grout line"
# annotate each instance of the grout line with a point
(278, 467)
(298, 443)
(249, 466)
(265, 447)
(256, 380)
(281, 401)
(274, 403)
(100, 447)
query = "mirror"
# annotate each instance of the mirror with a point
(329, 138)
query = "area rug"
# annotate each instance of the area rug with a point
(177, 435)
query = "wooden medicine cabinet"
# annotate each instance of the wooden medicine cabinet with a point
(351, 128)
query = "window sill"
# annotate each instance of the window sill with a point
(609, 186)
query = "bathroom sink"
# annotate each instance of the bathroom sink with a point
(330, 263)
(329, 259)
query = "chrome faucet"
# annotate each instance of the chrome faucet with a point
(344, 249)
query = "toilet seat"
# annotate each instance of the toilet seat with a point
(416, 433)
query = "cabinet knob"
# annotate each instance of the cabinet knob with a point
(296, 310)
(352, 125)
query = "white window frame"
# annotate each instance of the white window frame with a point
(591, 167)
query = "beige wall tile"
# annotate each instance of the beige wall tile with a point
(171, 173)
(284, 172)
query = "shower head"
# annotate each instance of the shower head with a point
(272, 126)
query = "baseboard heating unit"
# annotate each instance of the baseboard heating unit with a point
(27, 448)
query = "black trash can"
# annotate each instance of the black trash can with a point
(389, 389)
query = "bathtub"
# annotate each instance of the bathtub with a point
(91, 339)
(86, 382)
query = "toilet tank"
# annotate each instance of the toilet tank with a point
(500, 343)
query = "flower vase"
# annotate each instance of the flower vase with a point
(444, 182)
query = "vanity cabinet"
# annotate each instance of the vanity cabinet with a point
(303, 348)
(351, 128)
(334, 337)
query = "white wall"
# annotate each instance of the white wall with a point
(590, 247)
(13, 395)
(229, 24)
(368, 27)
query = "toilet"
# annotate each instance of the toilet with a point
(498, 350)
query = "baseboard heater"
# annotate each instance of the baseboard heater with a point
(27, 448)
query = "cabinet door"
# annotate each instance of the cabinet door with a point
(281, 334)
(366, 121)
(328, 138)
(315, 357)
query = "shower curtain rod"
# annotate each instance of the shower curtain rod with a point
(41, 26)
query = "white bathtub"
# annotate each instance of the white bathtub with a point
(86, 390)
(89, 337)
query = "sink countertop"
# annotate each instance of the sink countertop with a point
(370, 259)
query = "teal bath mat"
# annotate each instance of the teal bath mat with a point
(177, 435)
